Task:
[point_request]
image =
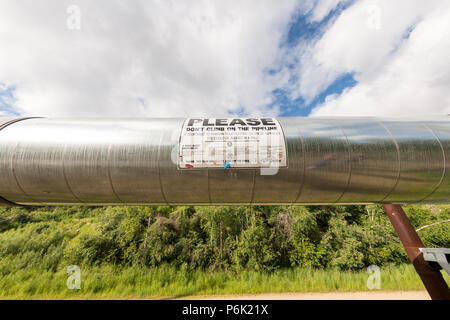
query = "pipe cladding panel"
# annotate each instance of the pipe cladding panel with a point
(46, 161)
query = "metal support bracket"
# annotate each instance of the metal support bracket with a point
(432, 279)
(438, 255)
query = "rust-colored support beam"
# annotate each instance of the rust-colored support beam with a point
(431, 278)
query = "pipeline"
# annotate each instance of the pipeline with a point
(50, 161)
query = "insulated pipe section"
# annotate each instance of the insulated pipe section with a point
(4, 122)
(135, 161)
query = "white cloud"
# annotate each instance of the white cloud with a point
(211, 58)
(141, 58)
(323, 8)
(397, 75)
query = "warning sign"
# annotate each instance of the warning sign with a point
(225, 143)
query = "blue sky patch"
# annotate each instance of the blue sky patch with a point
(6, 97)
(298, 107)
(303, 29)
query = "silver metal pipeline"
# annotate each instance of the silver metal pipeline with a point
(47, 161)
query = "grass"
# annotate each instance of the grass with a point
(108, 282)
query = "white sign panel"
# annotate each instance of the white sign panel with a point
(232, 143)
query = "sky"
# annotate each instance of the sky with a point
(134, 58)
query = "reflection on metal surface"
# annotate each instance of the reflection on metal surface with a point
(134, 161)
(4, 122)
(421, 161)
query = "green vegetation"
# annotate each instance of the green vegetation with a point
(110, 282)
(149, 251)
